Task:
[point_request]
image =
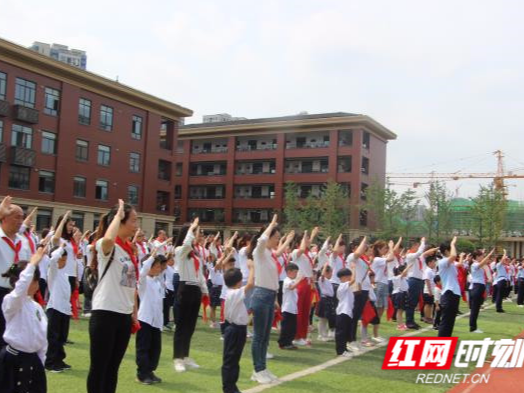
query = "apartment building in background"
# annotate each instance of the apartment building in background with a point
(74, 57)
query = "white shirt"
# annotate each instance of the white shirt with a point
(234, 308)
(215, 275)
(151, 292)
(380, 267)
(168, 277)
(400, 284)
(325, 287)
(437, 293)
(345, 299)
(419, 264)
(429, 274)
(360, 272)
(26, 322)
(336, 262)
(116, 290)
(242, 263)
(289, 296)
(372, 296)
(143, 250)
(43, 266)
(58, 284)
(323, 256)
(391, 266)
(224, 292)
(71, 266)
(7, 256)
(186, 264)
(161, 247)
(266, 273)
(283, 260)
(304, 262)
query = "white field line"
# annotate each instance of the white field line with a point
(341, 359)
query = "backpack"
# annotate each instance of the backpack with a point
(90, 279)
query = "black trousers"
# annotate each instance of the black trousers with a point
(3, 292)
(169, 300)
(176, 284)
(520, 292)
(437, 317)
(21, 372)
(43, 287)
(234, 341)
(189, 298)
(148, 349)
(280, 293)
(476, 297)
(288, 329)
(109, 333)
(449, 304)
(501, 293)
(72, 283)
(57, 325)
(358, 307)
(343, 332)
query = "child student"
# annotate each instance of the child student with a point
(437, 294)
(400, 293)
(375, 322)
(58, 310)
(288, 326)
(346, 299)
(22, 360)
(325, 310)
(151, 318)
(236, 319)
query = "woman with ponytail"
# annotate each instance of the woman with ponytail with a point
(114, 308)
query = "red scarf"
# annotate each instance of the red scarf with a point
(127, 247)
(30, 240)
(142, 247)
(277, 263)
(75, 247)
(15, 247)
(366, 260)
(196, 262)
(420, 264)
(306, 253)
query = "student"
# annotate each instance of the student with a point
(375, 322)
(520, 284)
(169, 297)
(325, 310)
(58, 310)
(429, 284)
(150, 316)
(288, 325)
(450, 300)
(223, 264)
(114, 308)
(22, 359)
(437, 294)
(502, 281)
(236, 325)
(215, 289)
(191, 288)
(400, 293)
(477, 287)
(343, 330)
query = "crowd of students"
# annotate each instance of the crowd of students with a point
(269, 280)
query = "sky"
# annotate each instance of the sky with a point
(447, 76)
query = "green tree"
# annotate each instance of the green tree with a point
(437, 218)
(310, 213)
(292, 208)
(409, 205)
(488, 215)
(334, 209)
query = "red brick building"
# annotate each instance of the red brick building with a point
(73, 140)
(233, 173)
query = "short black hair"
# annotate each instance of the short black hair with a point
(13, 273)
(232, 277)
(446, 246)
(431, 258)
(328, 269)
(345, 272)
(291, 267)
(399, 269)
(161, 259)
(64, 254)
(436, 279)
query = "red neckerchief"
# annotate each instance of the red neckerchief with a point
(158, 240)
(15, 247)
(366, 261)
(142, 247)
(127, 247)
(196, 262)
(306, 253)
(420, 264)
(485, 275)
(219, 252)
(439, 286)
(279, 266)
(30, 240)
(285, 256)
(75, 246)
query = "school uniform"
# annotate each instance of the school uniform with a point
(326, 306)
(22, 359)
(305, 266)
(450, 299)
(169, 295)
(283, 260)
(234, 338)
(151, 318)
(344, 311)
(380, 267)
(58, 312)
(416, 283)
(161, 247)
(400, 292)
(501, 284)
(143, 250)
(43, 266)
(477, 289)
(217, 282)
(360, 269)
(437, 294)
(429, 276)
(288, 326)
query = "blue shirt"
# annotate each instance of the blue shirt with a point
(520, 273)
(502, 274)
(477, 274)
(449, 276)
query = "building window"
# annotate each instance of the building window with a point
(365, 165)
(136, 128)
(106, 117)
(344, 164)
(19, 177)
(3, 85)
(366, 140)
(345, 137)
(132, 195)
(48, 142)
(46, 181)
(25, 93)
(164, 170)
(84, 111)
(101, 190)
(1, 130)
(363, 218)
(162, 201)
(79, 187)
(96, 221)
(178, 169)
(363, 191)
(43, 219)
(166, 134)
(82, 150)
(134, 162)
(178, 192)
(21, 136)
(104, 155)
(51, 101)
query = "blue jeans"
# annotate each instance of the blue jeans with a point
(263, 306)
(416, 287)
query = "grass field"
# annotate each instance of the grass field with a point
(362, 374)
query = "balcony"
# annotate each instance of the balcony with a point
(28, 115)
(255, 144)
(252, 216)
(208, 169)
(207, 215)
(307, 166)
(23, 157)
(255, 192)
(308, 141)
(3, 152)
(209, 146)
(4, 108)
(255, 168)
(207, 192)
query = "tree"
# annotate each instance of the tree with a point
(334, 208)
(437, 218)
(409, 206)
(292, 208)
(488, 215)
(310, 213)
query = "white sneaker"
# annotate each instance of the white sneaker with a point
(190, 363)
(300, 342)
(270, 375)
(520, 305)
(477, 331)
(261, 377)
(86, 315)
(179, 366)
(269, 355)
(507, 300)
(249, 334)
(353, 347)
(331, 334)
(347, 354)
(378, 339)
(323, 339)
